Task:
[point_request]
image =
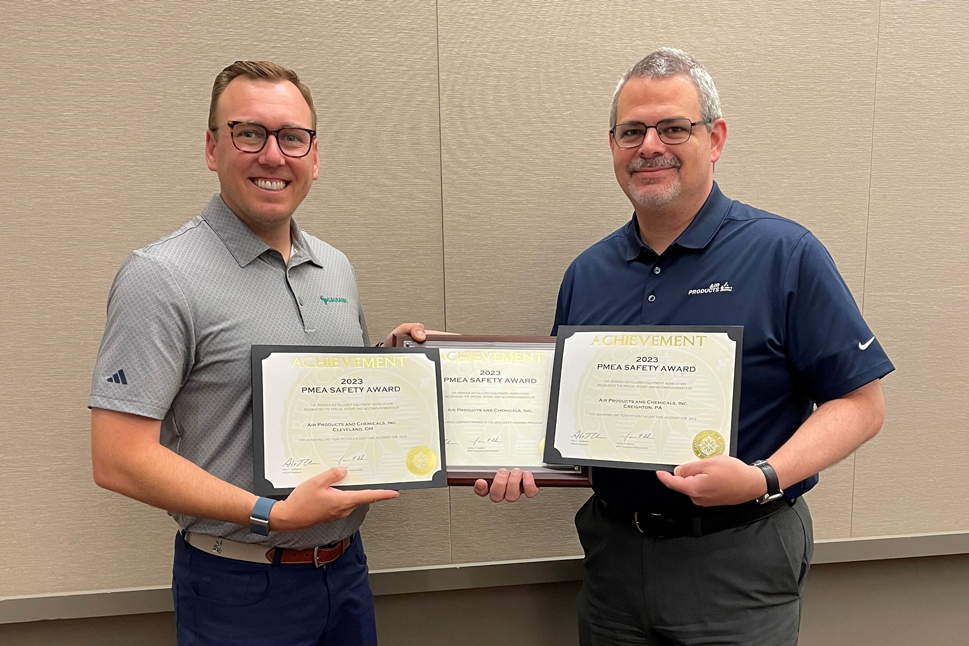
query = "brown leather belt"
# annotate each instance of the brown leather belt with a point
(256, 553)
(318, 556)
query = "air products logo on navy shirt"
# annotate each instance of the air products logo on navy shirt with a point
(714, 288)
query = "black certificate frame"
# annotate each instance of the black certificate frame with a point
(262, 486)
(551, 475)
(553, 456)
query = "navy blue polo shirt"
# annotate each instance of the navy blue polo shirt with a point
(805, 342)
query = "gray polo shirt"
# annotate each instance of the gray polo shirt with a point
(182, 315)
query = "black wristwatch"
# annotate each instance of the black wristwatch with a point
(774, 490)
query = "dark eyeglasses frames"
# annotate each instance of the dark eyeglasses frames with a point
(670, 131)
(252, 138)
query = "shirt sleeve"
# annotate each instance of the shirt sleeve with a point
(830, 346)
(364, 332)
(148, 346)
(564, 302)
(363, 327)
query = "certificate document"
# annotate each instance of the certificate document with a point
(496, 393)
(375, 411)
(644, 397)
(496, 403)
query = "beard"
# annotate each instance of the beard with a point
(650, 194)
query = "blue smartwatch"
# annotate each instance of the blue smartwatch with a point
(259, 518)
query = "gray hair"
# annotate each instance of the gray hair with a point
(665, 63)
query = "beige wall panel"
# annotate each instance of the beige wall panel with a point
(410, 531)
(913, 477)
(537, 615)
(830, 501)
(527, 176)
(540, 527)
(887, 603)
(145, 630)
(102, 122)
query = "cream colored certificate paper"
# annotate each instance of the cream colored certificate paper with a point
(645, 397)
(496, 404)
(375, 414)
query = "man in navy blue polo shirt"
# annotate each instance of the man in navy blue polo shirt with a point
(701, 555)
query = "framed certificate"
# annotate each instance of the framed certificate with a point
(644, 397)
(375, 411)
(495, 397)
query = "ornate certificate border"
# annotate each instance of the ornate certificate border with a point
(551, 475)
(262, 486)
(553, 456)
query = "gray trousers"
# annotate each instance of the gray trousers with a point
(737, 586)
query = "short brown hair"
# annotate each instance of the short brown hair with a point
(263, 70)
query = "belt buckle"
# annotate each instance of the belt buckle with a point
(639, 527)
(341, 545)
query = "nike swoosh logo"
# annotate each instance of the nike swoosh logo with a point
(864, 346)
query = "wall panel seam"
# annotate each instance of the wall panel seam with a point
(871, 154)
(440, 159)
(864, 276)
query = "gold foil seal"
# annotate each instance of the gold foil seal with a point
(708, 443)
(421, 461)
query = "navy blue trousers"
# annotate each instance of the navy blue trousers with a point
(228, 602)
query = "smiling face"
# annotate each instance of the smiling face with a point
(657, 176)
(262, 188)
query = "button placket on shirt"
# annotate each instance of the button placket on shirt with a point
(292, 282)
(651, 285)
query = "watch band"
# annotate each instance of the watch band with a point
(259, 518)
(774, 490)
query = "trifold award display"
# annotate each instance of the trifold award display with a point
(495, 393)
(375, 411)
(644, 397)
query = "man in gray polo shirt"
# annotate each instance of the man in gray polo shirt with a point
(171, 397)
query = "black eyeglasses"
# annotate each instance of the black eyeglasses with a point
(671, 131)
(252, 138)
